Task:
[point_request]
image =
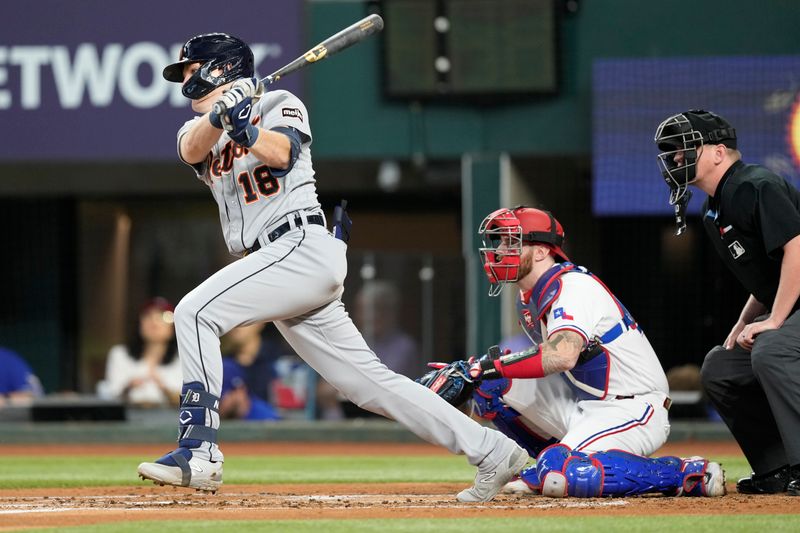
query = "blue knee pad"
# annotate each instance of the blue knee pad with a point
(192, 416)
(552, 458)
(584, 476)
(488, 404)
(562, 472)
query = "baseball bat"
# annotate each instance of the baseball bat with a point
(346, 38)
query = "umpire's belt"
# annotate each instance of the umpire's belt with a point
(286, 226)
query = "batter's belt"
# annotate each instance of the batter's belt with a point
(276, 233)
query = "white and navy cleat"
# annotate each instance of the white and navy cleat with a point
(180, 469)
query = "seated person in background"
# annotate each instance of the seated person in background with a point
(248, 374)
(18, 384)
(147, 372)
(377, 305)
(376, 315)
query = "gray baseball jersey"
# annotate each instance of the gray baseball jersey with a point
(295, 281)
(249, 194)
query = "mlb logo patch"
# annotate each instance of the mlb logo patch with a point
(736, 249)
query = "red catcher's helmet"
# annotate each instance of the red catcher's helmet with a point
(504, 232)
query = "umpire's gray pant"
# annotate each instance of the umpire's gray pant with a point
(757, 394)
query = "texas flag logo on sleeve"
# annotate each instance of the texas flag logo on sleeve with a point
(560, 313)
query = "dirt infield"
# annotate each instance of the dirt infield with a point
(79, 506)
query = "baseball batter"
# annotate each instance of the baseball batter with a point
(255, 157)
(589, 397)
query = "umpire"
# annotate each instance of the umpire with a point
(752, 217)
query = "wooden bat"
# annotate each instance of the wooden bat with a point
(335, 43)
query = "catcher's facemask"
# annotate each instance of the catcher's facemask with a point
(504, 232)
(501, 235)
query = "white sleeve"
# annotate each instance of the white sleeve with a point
(283, 109)
(577, 308)
(200, 169)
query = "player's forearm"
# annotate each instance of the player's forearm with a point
(558, 353)
(272, 148)
(752, 308)
(198, 141)
(789, 283)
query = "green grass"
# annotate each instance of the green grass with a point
(666, 524)
(50, 471)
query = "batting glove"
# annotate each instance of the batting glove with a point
(250, 87)
(239, 91)
(236, 122)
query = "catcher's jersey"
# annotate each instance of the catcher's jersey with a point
(249, 194)
(585, 306)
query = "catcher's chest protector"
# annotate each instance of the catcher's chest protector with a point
(589, 378)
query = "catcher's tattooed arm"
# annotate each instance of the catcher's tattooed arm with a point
(558, 353)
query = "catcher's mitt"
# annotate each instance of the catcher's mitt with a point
(450, 381)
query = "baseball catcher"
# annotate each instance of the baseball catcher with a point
(588, 398)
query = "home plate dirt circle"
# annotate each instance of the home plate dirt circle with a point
(63, 507)
(276, 501)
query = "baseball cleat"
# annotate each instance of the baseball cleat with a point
(490, 479)
(517, 486)
(714, 480)
(180, 469)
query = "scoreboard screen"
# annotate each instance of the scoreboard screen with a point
(469, 48)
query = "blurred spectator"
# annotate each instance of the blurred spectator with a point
(377, 306)
(688, 397)
(146, 372)
(248, 374)
(18, 384)
(684, 378)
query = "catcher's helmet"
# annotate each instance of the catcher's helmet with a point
(685, 133)
(215, 51)
(504, 232)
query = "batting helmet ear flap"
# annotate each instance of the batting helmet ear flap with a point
(223, 58)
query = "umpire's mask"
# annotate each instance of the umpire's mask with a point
(679, 138)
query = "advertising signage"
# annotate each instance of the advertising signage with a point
(81, 81)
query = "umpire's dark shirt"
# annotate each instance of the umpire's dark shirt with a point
(752, 214)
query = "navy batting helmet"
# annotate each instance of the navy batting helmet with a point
(216, 52)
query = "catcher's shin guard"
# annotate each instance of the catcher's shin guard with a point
(628, 474)
(563, 473)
